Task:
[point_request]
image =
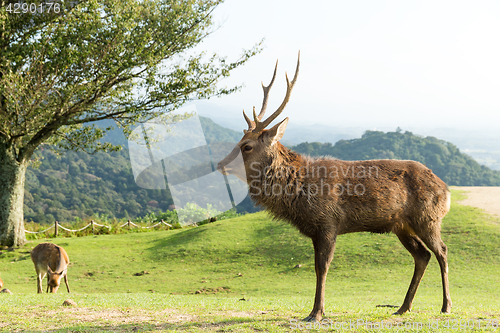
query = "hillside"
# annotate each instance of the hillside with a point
(76, 184)
(442, 157)
(249, 266)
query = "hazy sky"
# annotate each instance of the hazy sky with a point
(367, 63)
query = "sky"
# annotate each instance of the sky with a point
(428, 64)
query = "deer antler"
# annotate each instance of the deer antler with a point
(266, 93)
(251, 124)
(257, 125)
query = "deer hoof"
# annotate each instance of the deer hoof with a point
(310, 319)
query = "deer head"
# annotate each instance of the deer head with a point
(54, 279)
(258, 144)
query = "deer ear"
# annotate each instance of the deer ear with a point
(49, 270)
(276, 132)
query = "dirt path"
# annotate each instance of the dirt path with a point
(485, 197)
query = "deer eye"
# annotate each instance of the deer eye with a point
(247, 148)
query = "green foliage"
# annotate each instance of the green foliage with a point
(104, 185)
(104, 225)
(444, 158)
(192, 213)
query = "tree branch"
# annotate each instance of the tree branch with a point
(42, 135)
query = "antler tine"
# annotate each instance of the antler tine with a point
(251, 124)
(289, 86)
(266, 93)
(255, 117)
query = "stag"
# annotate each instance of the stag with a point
(52, 260)
(326, 197)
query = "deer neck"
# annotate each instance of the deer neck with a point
(281, 168)
(284, 157)
(61, 265)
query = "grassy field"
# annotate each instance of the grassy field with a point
(240, 275)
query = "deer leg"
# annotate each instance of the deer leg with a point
(66, 281)
(437, 246)
(48, 284)
(421, 257)
(323, 255)
(39, 279)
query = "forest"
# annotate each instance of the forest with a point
(81, 185)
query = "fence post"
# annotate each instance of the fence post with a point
(56, 227)
(92, 223)
(128, 224)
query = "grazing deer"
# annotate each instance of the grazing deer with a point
(52, 260)
(325, 197)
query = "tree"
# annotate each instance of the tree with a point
(65, 66)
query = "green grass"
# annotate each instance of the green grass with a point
(192, 279)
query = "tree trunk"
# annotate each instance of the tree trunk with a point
(12, 176)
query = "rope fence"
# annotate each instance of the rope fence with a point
(129, 223)
(39, 232)
(92, 225)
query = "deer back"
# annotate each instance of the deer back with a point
(50, 255)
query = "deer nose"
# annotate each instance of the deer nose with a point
(222, 168)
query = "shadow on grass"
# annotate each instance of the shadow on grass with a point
(216, 325)
(266, 241)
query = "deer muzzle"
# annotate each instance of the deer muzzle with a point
(224, 166)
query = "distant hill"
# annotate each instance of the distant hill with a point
(444, 158)
(213, 132)
(77, 184)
